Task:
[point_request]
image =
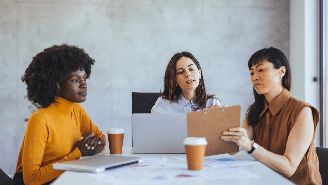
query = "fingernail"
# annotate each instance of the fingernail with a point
(92, 148)
(88, 148)
(99, 142)
(86, 145)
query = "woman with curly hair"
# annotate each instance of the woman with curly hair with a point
(56, 81)
(184, 87)
(279, 130)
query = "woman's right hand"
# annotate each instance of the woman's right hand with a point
(239, 136)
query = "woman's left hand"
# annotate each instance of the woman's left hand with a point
(96, 144)
(239, 136)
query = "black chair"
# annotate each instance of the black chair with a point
(5, 179)
(143, 102)
(323, 163)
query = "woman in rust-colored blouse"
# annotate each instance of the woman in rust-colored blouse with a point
(279, 129)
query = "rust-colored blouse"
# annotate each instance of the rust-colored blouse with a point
(276, 122)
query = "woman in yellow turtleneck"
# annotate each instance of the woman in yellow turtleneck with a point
(56, 81)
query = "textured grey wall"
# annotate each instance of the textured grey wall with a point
(132, 42)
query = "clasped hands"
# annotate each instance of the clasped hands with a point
(90, 145)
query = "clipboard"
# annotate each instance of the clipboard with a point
(210, 123)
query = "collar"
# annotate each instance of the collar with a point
(183, 102)
(277, 103)
(62, 105)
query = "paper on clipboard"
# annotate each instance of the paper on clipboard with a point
(210, 123)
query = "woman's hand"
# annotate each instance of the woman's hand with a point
(90, 146)
(239, 136)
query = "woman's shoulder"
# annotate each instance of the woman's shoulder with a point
(42, 115)
(213, 100)
(43, 112)
(298, 105)
(162, 100)
(161, 105)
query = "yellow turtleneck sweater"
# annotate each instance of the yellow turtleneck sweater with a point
(51, 136)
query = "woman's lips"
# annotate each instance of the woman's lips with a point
(84, 93)
(256, 85)
(190, 81)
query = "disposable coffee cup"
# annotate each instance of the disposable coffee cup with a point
(115, 140)
(195, 150)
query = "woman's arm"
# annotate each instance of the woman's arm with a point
(33, 153)
(298, 143)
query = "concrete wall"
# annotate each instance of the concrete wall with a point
(132, 42)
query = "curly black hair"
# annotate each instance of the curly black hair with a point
(50, 67)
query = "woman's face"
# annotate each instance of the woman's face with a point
(187, 74)
(74, 87)
(265, 78)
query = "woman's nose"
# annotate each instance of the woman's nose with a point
(187, 74)
(255, 77)
(83, 85)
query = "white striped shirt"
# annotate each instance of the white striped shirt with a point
(180, 106)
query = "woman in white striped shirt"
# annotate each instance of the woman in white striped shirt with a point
(184, 87)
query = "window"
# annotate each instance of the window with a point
(323, 73)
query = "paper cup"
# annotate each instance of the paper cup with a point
(195, 150)
(115, 140)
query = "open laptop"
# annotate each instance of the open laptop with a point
(158, 133)
(96, 163)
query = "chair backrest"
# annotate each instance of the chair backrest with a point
(323, 163)
(143, 102)
(5, 179)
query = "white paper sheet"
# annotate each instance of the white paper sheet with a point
(159, 169)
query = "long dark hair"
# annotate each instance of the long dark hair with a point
(172, 91)
(50, 67)
(278, 59)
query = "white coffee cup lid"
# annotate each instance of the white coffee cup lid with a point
(115, 131)
(195, 141)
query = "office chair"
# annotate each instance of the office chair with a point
(5, 179)
(323, 163)
(143, 102)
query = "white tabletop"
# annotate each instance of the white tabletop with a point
(172, 169)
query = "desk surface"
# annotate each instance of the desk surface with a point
(172, 169)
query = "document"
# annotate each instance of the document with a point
(154, 169)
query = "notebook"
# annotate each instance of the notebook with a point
(158, 133)
(96, 163)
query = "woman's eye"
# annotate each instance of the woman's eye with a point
(75, 80)
(252, 74)
(260, 70)
(180, 72)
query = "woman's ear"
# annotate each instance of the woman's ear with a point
(200, 73)
(58, 86)
(282, 71)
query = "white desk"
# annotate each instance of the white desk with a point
(247, 171)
